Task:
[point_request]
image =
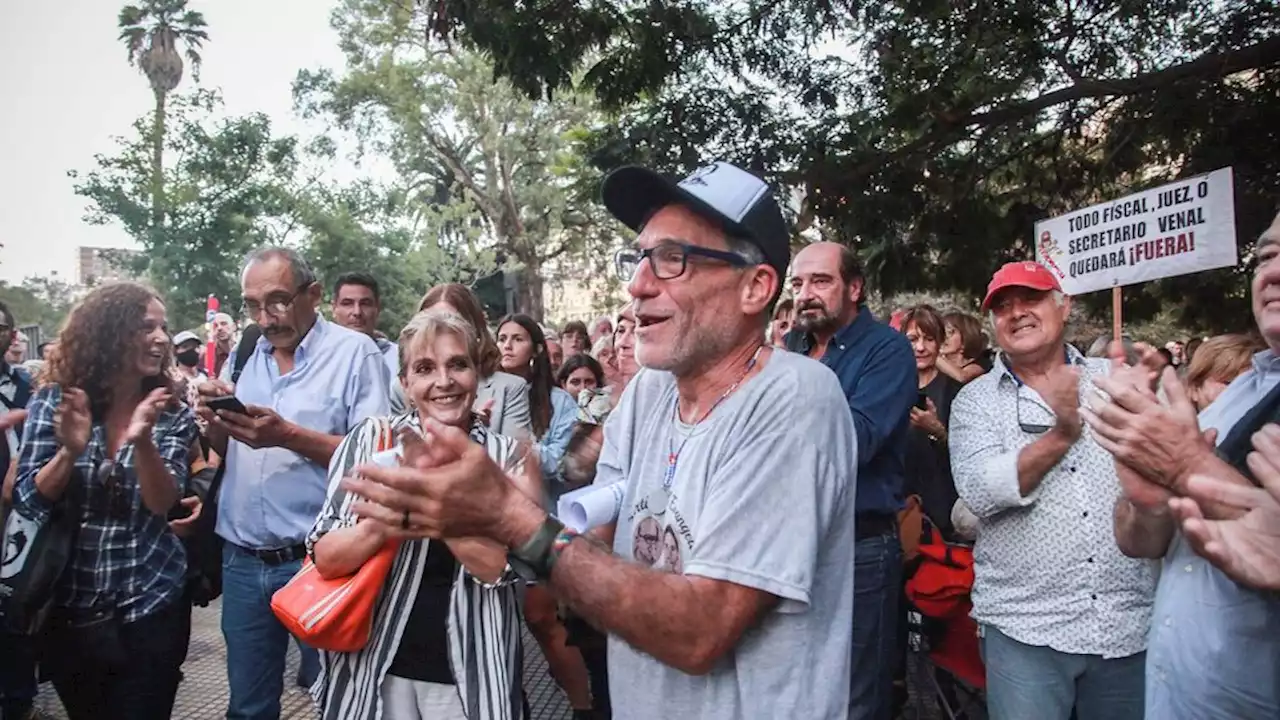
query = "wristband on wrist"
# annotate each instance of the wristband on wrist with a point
(533, 559)
(559, 545)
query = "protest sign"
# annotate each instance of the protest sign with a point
(1183, 227)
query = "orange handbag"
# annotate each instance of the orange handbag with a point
(336, 614)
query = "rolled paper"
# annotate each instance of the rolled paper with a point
(591, 507)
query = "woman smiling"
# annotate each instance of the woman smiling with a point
(445, 643)
(108, 439)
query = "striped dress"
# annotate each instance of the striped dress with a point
(483, 623)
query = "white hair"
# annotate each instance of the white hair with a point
(433, 321)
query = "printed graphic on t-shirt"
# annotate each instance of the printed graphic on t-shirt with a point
(645, 546)
(657, 545)
(20, 531)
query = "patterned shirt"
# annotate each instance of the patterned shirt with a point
(1047, 569)
(125, 556)
(484, 620)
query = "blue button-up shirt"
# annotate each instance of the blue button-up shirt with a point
(554, 442)
(270, 497)
(1214, 649)
(125, 556)
(877, 371)
(391, 356)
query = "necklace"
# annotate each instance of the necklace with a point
(660, 496)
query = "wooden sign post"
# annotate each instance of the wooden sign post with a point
(1117, 322)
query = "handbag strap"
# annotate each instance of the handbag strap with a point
(386, 436)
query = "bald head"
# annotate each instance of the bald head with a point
(833, 255)
(826, 280)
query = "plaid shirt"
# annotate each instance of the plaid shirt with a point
(125, 556)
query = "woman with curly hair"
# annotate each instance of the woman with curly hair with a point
(107, 441)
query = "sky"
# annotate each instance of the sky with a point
(66, 89)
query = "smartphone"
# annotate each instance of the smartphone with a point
(922, 400)
(227, 402)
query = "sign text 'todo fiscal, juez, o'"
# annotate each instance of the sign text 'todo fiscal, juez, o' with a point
(1183, 227)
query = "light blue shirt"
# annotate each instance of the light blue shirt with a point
(552, 446)
(1214, 648)
(391, 356)
(270, 497)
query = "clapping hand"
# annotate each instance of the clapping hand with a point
(144, 416)
(1145, 376)
(1161, 442)
(485, 412)
(1061, 390)
(448, 488)
(1246, 548)
(72, 422)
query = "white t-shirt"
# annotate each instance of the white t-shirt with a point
(763, 496)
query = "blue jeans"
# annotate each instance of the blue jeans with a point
(1025, 681)
(877, 585)
(256, 641)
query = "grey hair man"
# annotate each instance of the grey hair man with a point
(744, 453)
(1062, 612)
(305, 383)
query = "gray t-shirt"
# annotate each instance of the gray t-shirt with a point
(763, 496)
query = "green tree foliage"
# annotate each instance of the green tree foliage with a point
(368, 227)
(928, 134)
(235, 186)
(229, 190)
(475, 156)
(43, 301)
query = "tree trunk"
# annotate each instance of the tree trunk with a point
(157, 163)
(529, 294)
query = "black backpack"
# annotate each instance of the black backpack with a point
(204, 546)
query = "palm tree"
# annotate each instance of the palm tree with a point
(152, 32)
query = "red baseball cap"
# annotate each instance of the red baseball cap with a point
(1025, 274)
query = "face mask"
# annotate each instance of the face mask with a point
(188, 358)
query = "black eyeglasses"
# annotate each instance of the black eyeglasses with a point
(669, 260)
(274, 307)
(1030, 428)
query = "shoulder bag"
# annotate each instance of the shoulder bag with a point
(337, 614)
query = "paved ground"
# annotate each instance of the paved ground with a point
(203, 693)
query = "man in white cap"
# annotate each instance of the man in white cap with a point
(728, 590)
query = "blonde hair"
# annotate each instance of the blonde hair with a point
(1223, 358)
(432, 322)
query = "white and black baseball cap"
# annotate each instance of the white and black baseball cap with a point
(185, 336)
(727, 195)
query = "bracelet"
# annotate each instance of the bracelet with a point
(558, 546)
(533, 559)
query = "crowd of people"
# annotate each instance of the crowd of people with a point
(781, 460)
